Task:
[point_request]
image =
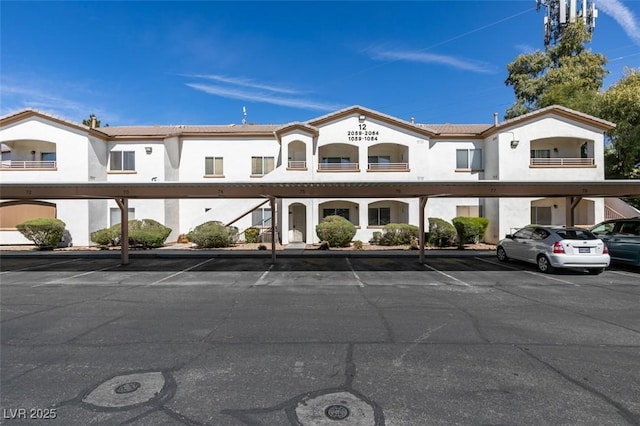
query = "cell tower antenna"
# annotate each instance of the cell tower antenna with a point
(560, 13)
(244, 115)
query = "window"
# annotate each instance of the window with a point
(540, 153)
(114, 215)
(48, 156)
(524, 233)
(261, 217)
(261, 165)
(335, 212)
(541, 215)
(213, 166)
(123, 161)
(469, 211)
(379, 216)
(469, 159)
(336, 160)
(379, 159)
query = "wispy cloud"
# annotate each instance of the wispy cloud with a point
(246, 82)
(431, 58)
(623, 16)
(254, 96)
(525, 48)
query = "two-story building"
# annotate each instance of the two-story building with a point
(355, 144)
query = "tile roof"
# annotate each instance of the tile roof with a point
(186, 129)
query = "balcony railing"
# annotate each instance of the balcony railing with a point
(399, 167)
(562, 162)
(338, 167)
(25, 165)
(297, 165)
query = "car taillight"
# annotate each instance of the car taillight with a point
(557, 248)
(605, 249)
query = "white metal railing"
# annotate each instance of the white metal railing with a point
(388, 166)
(571, 161)
(610, 213)
(297, 164)
(338, 166)
(14, 164)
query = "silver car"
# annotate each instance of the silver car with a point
(551, 247)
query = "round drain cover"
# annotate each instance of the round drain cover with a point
(336, 412)
(335, 408)
(128, 387)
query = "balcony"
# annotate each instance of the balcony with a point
(297, 165)
(562, 162)
(388, 167)
(338, 167)
(27, 165)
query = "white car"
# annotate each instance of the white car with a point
(551, 247)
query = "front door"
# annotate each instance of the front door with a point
(297, 223)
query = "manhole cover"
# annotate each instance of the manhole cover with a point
(337, 412)
(128, 387)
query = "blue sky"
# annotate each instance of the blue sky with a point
(144, 62)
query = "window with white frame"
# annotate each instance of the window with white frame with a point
(114, 215)
(469, 211)
(261, 165)
(540, 153)
(379, 216)
(469, 159)
(213, 166)
(335, 212)
(122, 161)
(261, 217)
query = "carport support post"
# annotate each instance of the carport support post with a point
(423, 204)
(570, 205)
(123, 203)
(272, 203)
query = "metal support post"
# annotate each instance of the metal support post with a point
(123, 203)
(423, 204)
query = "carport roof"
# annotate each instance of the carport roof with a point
(399, 189)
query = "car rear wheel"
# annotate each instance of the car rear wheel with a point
(595, 271)
(544, 265)
(502, 255)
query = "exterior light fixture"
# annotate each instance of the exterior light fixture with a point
(148, 149)
(514, 143)
(362, 117)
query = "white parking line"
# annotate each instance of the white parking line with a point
(62, 280)
(181, 272)
(626, 274)
(537, 274)
(447, 275)
(263, 277)
(40, 266)
(360, 283)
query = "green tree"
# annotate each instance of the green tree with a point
(566, 73)
(621, 105)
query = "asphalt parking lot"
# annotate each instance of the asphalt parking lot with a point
(336, 339)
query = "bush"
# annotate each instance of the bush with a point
(251, 235)
(213, 234)
(145, 233)
(397, 234)
(336, 230)
(44, 232)
(262, 247)
(470, 229)
(107, 236)
(357, 245)
(377, 235)
(441, 233)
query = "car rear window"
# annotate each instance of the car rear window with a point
(576, 234)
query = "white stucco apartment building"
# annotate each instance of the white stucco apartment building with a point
(355, 144)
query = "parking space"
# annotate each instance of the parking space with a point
(381, 340)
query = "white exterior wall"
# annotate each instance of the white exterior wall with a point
(82, 157)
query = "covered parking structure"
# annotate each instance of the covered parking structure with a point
(122, 192)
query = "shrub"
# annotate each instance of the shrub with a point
(145, 233)
(377, 235)
(324, 245)
(336, 230)
(441, 232)
(107, 236)
(213, 234)
(44, 232)
(397, 234)
(357, 245)
(470, 229)
(251, 235)
(182, 239)
(262, 247)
